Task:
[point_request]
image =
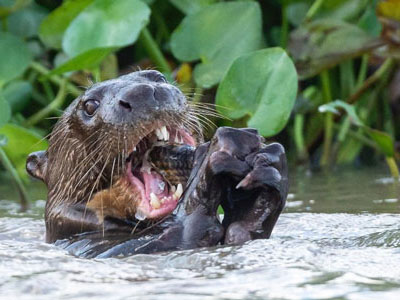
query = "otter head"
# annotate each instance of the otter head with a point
(103, 137)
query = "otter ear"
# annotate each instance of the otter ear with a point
(36, 164)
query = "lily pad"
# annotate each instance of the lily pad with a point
(18, 94)
(25, 22)
(191, 6)
(14, 56)
(53, 27)
(86, 60)
(116, 23)
(261, 85)
(217, 35)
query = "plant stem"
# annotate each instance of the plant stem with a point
(48, 91)
(344, 128)
(346, 88)
(346, 78)
(285, 25)
(161, 25)
(154, 51)
(362, 74)
(52, 106)
(357, 135)
(314, 9)
(328, 133)
(394, 170)
(299, 137)
(385, 67)
(18, 182)
(55, 79)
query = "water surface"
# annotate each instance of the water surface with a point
(339, 238)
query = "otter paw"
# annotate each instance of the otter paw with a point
(230, 147)
(257, 183)
(241, 155)
(269, 170)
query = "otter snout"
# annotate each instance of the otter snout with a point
(138, 97)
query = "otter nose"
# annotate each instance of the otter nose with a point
(138, 96)
(125, 105)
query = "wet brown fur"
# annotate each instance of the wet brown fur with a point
(117, 202)
(88, 163)
(83, 163)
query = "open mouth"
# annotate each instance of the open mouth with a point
(158, 196)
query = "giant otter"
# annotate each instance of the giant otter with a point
(109, 195)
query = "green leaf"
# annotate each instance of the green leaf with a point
(350, 110)
(7, 7)
(262, 85)
(14, 57)
(369, 22)
(3, 140)
(105, 24)
(217, 35)
(53, 27)
(191, 6)
(5, 111)
(21, 142)
(296, 12)
(18, 94)
(25, 22)
(342, 9)
(87, 60)
(319, 45)
(383, 140)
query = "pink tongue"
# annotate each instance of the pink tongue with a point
(154, 184)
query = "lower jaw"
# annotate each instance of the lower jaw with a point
(152, 204)
(157, 197)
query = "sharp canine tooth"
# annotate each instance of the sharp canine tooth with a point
(154, 201)
(179, 192)
(176, 141)
(173, 189)
(159, 134)
(165, 133)
(134, 149)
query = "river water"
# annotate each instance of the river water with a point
(339, 238)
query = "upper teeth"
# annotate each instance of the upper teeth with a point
(178, 140)
(178, 193)
(162, 134)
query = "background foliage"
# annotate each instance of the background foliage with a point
(320, 76)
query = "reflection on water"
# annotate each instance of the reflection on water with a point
(338, 238)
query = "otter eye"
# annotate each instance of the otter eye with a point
(91, 106)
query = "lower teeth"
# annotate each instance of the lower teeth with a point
(140, 216)
(154, 201)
